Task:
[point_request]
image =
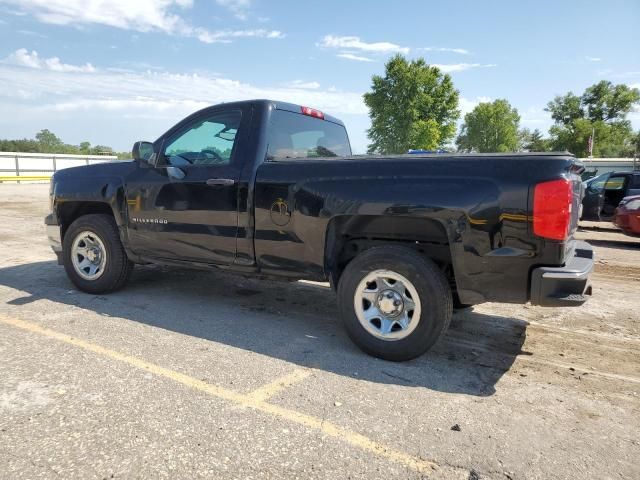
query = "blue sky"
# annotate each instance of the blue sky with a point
(112, 72)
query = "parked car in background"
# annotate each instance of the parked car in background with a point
(628, 215)
(604, 193)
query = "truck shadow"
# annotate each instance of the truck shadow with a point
(295, 322)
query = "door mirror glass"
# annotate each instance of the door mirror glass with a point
(142, 151)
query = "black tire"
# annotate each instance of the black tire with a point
(429, 282)
(118, 267)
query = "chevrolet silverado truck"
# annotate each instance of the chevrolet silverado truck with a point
(272, 189)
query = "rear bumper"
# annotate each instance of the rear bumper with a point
(564, 286)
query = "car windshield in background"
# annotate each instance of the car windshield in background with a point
(293, 135)
(597, 183)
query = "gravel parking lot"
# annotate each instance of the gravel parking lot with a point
(190, 374)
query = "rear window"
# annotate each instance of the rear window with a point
(293, 135)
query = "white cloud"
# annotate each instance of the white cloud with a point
(143, 93)
(468, 104)
(461, 51)
(147, 106)
(138, 15)
(23, 58)
(535, 117)
(354, 43)
(56, 65)
(239, 8)
(227, 36)
(303, 84)
(625, 75)
(592, 59)
(117, 108)
(31, 33)
(460, 67)
(141, 15)
(351, 56)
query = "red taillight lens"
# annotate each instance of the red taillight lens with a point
(552, 209)
(312, 112)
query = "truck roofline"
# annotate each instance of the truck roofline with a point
(444, 156)
(277, 104)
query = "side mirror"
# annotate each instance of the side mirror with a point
(142, 151)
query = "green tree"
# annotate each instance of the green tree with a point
(49, 142)
(607, 102)
(413, 106)
(101, 150)
(533, 141)
(601, 109)
(566, 109)
(490, 127)
(85, 147)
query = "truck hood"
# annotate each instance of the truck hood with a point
(106, 169)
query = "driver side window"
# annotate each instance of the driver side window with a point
(208, 142)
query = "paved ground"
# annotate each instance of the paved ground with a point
(190, 374)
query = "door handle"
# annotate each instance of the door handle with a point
(220, 182)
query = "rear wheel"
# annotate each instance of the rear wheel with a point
(93, 256)
(395, 304)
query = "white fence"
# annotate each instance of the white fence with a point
(604, 165)
(15, 166)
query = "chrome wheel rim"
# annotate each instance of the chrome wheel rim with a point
(88, 255)
(387, 305)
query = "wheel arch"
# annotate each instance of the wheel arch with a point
(349, 235)
(69, 211)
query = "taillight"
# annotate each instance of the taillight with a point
(312, 112)
(552, 209)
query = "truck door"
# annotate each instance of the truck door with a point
(185, 206)
(593, 200)
(614, 191)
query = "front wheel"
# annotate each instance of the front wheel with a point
(394, 303)
(94, 258)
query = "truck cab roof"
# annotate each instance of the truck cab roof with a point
(274, 104)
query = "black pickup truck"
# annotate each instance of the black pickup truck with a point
(270, 188)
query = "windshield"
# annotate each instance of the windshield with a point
(293, 135)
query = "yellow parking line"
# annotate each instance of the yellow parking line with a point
(265, 392)
(25, 178)
(245, 400)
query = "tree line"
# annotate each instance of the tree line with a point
(48, 142)
(415, 106)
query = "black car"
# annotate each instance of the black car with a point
(270, 188)
(604, 193)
